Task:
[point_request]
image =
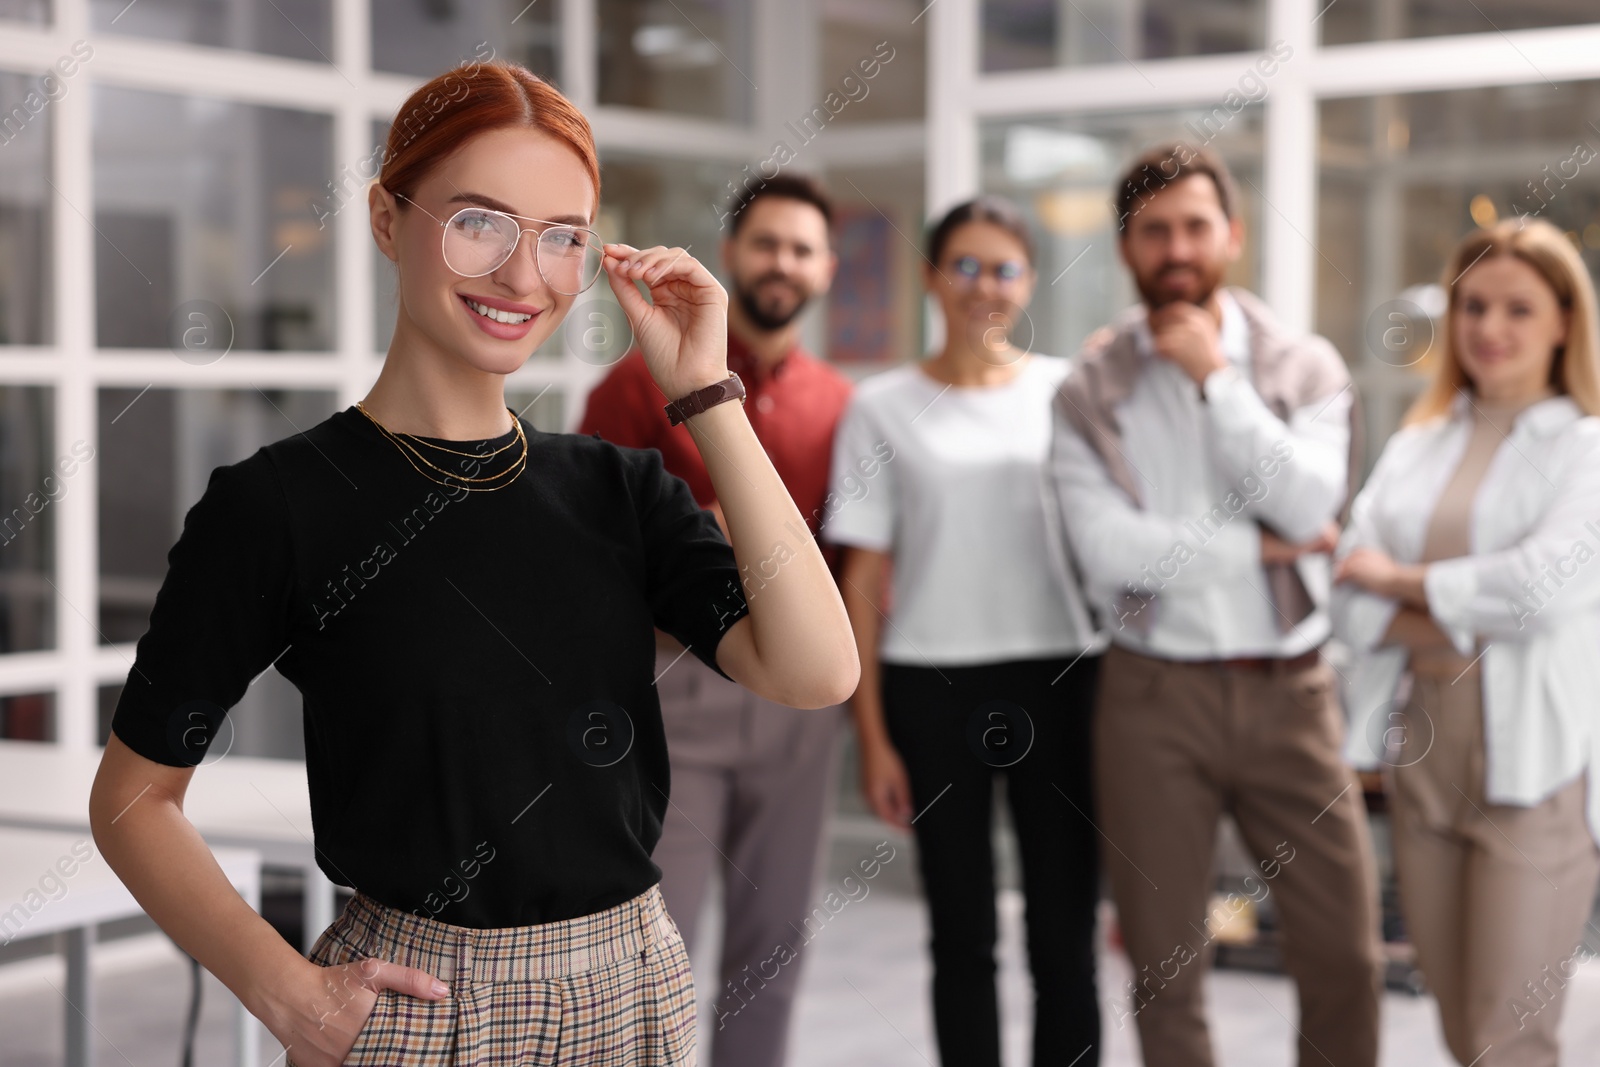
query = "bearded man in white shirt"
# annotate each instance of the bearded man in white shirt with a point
(1201, 458)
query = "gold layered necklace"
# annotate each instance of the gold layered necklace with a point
(404, 442)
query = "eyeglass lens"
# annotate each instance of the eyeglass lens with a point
(969, 269)
(477, 241)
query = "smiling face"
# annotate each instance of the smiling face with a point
(982, 281)
(1179, 242)
(516, 170)
(778, 260)
(1506, 322)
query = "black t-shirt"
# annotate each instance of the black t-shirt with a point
(483, 738)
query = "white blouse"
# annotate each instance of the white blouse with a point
(1530, 591)
(957, 501)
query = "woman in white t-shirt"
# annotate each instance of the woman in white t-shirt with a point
(983, 661)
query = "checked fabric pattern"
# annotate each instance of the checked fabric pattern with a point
(612, 989)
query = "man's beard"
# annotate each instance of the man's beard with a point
(1209, 280)
(761, 318)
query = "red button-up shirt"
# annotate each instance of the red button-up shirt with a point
(793, 408)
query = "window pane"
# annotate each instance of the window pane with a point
(1024, 34)
(28, 717)
(34, 11)
(1062, 172)
(385, 299)
(210, 207)
(688, 56)
(267, 722)
(645, 202)
(875, 303)
(544, 408)
(425, 38)
(1404, 177)
(35, 472)
(1381, 20)
(26, 268)
(297, 29)
(664, 202)
(157, 451)
(875, 60)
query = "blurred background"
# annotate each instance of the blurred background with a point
(186, 271)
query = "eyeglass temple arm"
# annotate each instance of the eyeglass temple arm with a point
(419, 207)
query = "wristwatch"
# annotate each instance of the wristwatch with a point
(730, 388)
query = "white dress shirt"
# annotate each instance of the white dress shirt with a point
(961, 510)
(1530, 590)
(1207, 471)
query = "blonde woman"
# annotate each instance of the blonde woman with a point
(1471, 564)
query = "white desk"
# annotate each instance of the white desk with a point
(235, 802)
(78, 894)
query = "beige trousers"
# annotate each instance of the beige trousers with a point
(1495, 897)
(1176, 746)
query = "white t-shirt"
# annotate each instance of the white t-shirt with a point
(948, 481)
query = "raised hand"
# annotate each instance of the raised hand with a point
(1189, 336)
(683, 328)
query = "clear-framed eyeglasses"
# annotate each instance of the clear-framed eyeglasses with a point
(479, 240)
(968, 269)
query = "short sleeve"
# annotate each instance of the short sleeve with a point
(693, 580)
(220, 617)
(859, 508)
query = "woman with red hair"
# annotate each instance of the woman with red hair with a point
(467, 606)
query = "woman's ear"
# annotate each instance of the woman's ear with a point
(384, 213)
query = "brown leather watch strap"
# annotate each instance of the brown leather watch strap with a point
(730, 388)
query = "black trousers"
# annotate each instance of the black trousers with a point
(956, 728)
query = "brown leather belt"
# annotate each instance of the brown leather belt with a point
(1303, 661)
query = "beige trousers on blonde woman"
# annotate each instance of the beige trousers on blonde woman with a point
(1495, 897)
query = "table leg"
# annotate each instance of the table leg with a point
(319, 898)
(80, 1001)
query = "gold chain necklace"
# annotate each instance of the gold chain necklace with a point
(408, 450)
(442, 448)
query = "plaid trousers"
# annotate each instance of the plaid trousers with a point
(611, 989)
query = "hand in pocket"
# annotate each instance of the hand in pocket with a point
(327, 1012)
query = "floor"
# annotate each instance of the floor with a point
(863, 1003)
